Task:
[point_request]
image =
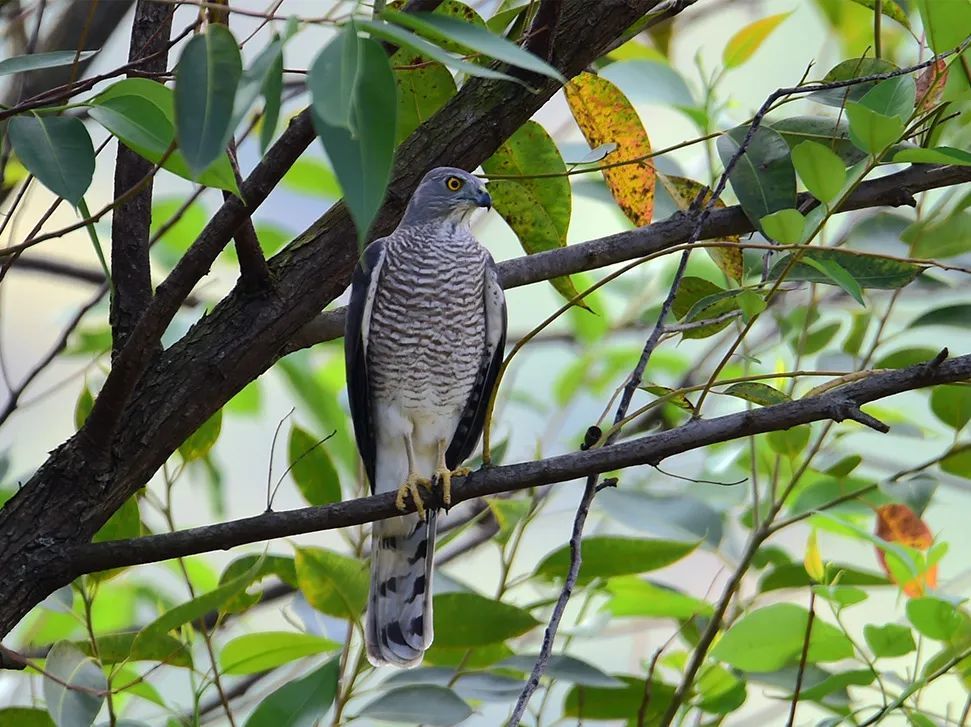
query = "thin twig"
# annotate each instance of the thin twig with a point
(801, 672)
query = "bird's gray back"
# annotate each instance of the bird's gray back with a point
(427, 329)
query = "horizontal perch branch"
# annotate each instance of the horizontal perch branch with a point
(838, 404)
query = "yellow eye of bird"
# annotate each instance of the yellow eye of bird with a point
(453, 183)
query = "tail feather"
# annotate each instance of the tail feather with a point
(398, 624)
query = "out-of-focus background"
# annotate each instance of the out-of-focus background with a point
(555, 389)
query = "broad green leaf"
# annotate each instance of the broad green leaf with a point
(483, 686)
(868, 271)
(262, 566)
(937, 155)
(564, 668)
(793, 575)
(771, 637)
(836, 682)
(266, 650)
(119, 648)
(605, 116)
(834, 134)
(272, 91)
(478, 658)
(312, 176)
(312, 469)
(360, 148)
(74, 686)
(683, 517)
(125, 523)
(632, 596)
(763, 178)
(508, 513)
(691, 292)
(890, 8)
(757, 393)
(470, 620)
(720, 690)
(423, 88)
(838, 275)
(945, 23)
(889, 640)
(36, 61)
(820, 169)
(871, 131)
(300, 703)
(751, 304)
(958, 462)
(847, 70)
(839, 595)
(83, 407)
(684, 192)
(790, 442)
(599, 703)
(332, 583)
(206, 79)
(55, 149)
(25, 716)
(253, 81)
(785, 226)
(952, 405)
(419, 704)
(745, 42)
(893, 97)
(607, 556)
(200, 442)
(537, 210)
(440, 27)
(940, 238)
(935, 618)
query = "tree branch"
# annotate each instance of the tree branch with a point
(650, 450)
(894, 190)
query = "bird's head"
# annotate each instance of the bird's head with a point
(446, 194)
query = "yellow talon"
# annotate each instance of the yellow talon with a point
(410, 487)
(445, 475)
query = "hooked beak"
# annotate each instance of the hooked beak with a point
(483, 199)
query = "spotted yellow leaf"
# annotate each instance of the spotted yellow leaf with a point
(605, 116)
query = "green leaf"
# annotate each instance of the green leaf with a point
(206, 79)
(470, 620)
(839, 275)
(958, 462)
(266, 650)
(937, 155)
(564, 668)
(424, 86)
(478, 658)
(889, 640)
(439, 27)
(890, 8)
(771, 637)
(893, 97)
(751, 304)
(311, 176)
(746, 41)
(508, 513)
(122, 647)
(254, 79)
(848, 70)
(360, 148)
(785, 226)
(623, 703)
(631, 596)
(940, 238)
(871, 131)
(820, 169)
(272, 91)
(26, 716)
(793, 575)
(124, 523)
(905, 357)
(683, 517)
(606, 556)
(757, 393)
(868, 271)
(790, 442)
(332, 583)
(945, 23)
(935, 618)
(312, 468)
(818, 691)
(300, 703)
(952, 405)
(36, 61)
(55, 149)
(834, 134)
(419, 704)
(763, 178)
(74, 686)
(537, 210)
(83, 407)
(839, 595)
(200, 442)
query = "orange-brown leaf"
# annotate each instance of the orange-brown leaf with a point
(897, 523)
(930, 85)
(605, 116)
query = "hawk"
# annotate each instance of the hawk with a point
(426, 327)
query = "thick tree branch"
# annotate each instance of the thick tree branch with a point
(838, 405)
(131, 272)
(894, 190)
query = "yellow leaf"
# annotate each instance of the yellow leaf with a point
(605, 116)
(684, 191)
(813, 560)
(745, 42)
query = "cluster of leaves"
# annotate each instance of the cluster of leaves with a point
(364, 104)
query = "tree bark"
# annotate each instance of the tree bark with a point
(83, 482)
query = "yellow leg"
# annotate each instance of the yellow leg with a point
(444, 475)
(410, 487)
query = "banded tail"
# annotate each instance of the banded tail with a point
(398, 624)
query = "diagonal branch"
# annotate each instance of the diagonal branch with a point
(837, 405)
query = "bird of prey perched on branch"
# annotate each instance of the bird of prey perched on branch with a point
(426, 327)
